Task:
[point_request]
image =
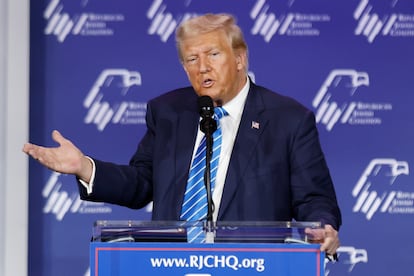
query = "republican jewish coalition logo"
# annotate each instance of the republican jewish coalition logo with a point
(337, 101)
(62, 24)
(374, 20)
(292, 23)
(163, 22)
(379, 189)
(60, 202)
(108, 100)
(349, 257)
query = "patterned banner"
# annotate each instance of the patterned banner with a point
(96, 63)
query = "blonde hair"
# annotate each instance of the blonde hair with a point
(209, 23)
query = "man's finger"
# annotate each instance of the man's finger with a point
(58, 137)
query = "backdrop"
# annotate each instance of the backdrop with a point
(96, 63)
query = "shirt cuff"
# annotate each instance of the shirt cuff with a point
(89, 186)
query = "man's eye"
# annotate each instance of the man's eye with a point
(191, 60)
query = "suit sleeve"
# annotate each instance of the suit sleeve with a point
(126, 185)
(313, 193)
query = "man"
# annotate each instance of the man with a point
(271, 166)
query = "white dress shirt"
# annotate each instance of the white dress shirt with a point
(229, 127)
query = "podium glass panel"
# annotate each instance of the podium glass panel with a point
(221, 232)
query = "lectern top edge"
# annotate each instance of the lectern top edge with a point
(223, 231)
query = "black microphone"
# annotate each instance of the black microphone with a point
(208, 125)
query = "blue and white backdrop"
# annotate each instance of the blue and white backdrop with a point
(95, 64)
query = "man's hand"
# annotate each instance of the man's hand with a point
(66, 158)
(327, 237)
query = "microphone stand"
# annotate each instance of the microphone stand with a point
(207, 176)
(208, 126)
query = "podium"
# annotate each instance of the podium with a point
(152, 248)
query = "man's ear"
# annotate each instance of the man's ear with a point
(241, 59)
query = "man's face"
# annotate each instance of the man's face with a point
(212, 66)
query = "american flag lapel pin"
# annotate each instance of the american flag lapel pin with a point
(255, 125)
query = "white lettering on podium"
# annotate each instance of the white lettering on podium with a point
(210, 261)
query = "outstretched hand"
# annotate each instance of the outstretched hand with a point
(66, 158)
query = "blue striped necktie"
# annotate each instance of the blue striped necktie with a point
(195, 198)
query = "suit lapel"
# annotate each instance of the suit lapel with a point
(252, 125)
(187, 123)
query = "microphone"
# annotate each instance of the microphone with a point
(208, 125)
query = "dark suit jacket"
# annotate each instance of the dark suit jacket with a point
(277, 170)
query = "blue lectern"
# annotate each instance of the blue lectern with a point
(237, 248)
